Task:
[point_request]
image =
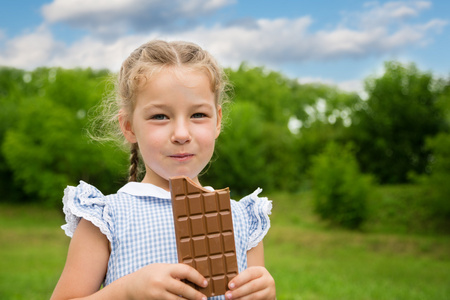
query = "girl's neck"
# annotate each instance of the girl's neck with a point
(162, 182)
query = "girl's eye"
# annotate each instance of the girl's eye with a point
(198, 115)
(159, 117)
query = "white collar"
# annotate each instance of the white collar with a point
(148, 189)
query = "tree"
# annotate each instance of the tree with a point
(12, 91)
(437, 178)
(47, 147)
(239, 160)
(323, 114)
(391, 128)
(269, 90)
(437, 182)
(340, 190)
(255, 147)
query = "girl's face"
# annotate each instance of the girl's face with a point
(175, 123)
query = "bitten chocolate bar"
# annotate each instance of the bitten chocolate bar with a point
(204, 233)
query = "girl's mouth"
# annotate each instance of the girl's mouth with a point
(182, 156)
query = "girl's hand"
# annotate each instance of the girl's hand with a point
(163, 281)
(253, 283)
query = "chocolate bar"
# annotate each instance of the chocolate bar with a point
(204, 233)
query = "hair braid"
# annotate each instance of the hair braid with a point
(134, 162)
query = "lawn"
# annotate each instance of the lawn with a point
(308, 259)
(32, 250)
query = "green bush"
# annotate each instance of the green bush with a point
(340, 190)
(239, 155)
(45, 147)
(392, 125)
(436, 183)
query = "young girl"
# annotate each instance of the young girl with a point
(169, 111)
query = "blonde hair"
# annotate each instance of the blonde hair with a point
(143, 63)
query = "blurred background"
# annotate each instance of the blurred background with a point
(339, 110)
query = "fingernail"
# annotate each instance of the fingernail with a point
(228, 295)
(205, 283)
(204, 298)
(232, 285)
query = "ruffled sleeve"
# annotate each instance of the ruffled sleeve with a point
(258, 210)
(87, 202)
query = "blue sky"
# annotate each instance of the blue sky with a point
(335, 42)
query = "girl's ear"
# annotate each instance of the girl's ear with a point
(126, 127)
(219, 121)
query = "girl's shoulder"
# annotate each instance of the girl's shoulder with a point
(87, 202)
(254, 200)
(254, 211)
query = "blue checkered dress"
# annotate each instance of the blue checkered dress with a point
(138, 223)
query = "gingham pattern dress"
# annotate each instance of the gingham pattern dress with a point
(138, 223)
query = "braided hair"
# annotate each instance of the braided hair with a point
(134, 163)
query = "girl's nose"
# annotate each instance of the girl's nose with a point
(181, 134)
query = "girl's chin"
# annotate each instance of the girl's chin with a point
(163, 179)
(194, 178)
(184, 172)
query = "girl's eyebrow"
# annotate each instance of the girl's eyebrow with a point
(165, 106)
(155, 105)
(152, 106)
(203, 105)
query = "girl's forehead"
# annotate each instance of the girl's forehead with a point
(186, 76)
(180, 83)
(183, 73)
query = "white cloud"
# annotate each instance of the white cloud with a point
(351, 86)
(269, 42)
(116, 17)
(377, 14)
(30, 50)
(289, 40)
(97, 54)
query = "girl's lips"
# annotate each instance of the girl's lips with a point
(182, 156)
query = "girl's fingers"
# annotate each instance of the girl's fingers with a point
(249, 288)
(252, 283)
(247, 275)
(258, 295)
(184, 290)
(182, 271)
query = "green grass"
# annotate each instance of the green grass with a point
(32, 250)
(308, 259)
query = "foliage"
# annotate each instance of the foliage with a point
(255, 146)
(12, 91)
(268, 90)
(437, 182)
(46, 147)
(239, 156)
(438, 177)
(273, 129)
(320, 103)
(340, 190)
(323, 114)
(392, 125)
(404, 209)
